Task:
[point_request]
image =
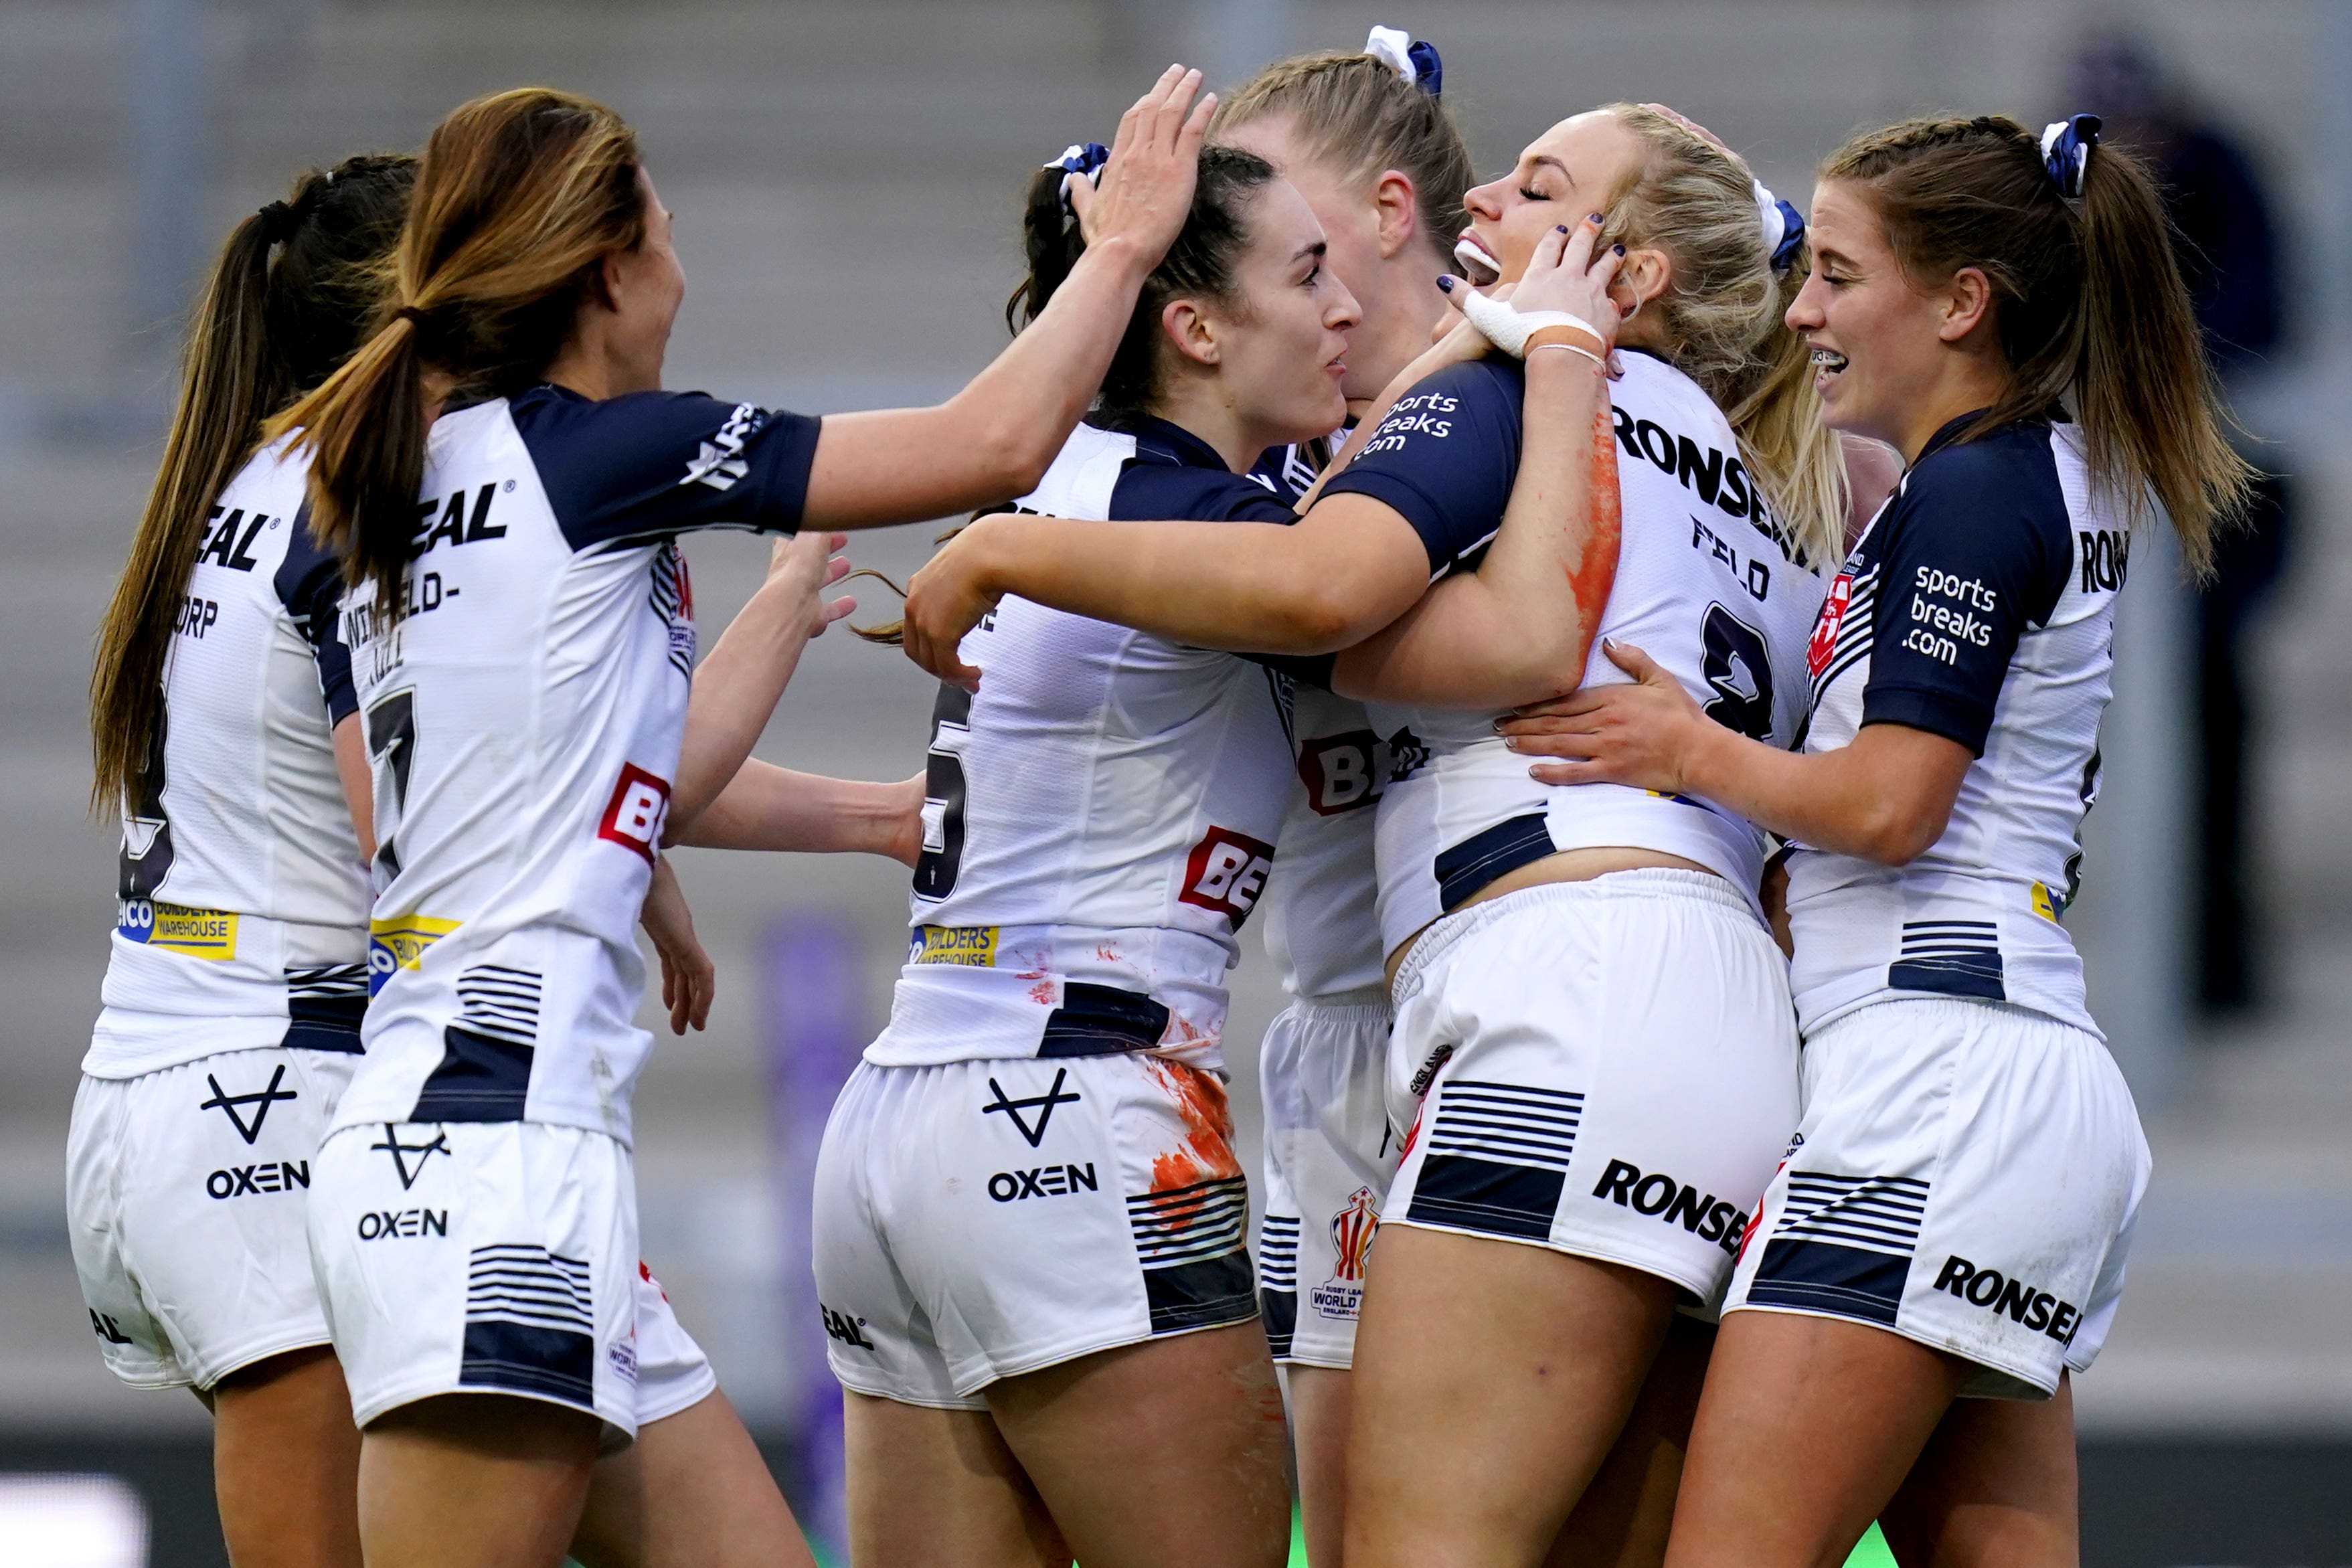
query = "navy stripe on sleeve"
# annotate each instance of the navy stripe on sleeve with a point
(1974, 553)
(1445, 459)
(652, 464)
(309, 584)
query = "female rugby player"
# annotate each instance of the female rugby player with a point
(1945, 1244)
(1101, 948)
(520, 651)
(240, 806)
(1599, 1019)
(1367, 140)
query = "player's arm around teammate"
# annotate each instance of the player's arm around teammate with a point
(1029, 1219)
(506, 656)
(1367, 138)
(1946, 1244)
(1355, 565)
(1537, 1012)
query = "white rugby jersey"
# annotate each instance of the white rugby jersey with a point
(1320, 929)
(1101, 815)
(1709, 584)
(524, 718)
(1979, 606)
(242, 906)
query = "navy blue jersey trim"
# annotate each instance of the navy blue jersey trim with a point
(1955, 718)
(1280, 1311)
(1466, 868)
(1204, 1294)
(650, 465)
(1487, 1197)
(1824, 1276)
(1099, 1021)
(309, 583)
(480, 1079)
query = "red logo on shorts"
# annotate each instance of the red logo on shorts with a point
(1351, 1235)
(1825, 629)
(633, 818)
(1227, 872)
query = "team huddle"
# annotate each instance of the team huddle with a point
(1635, 650)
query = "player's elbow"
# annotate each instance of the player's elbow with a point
(1903, 827)
(1017, 453)
(1319, 615)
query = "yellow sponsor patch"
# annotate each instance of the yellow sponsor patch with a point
(209, 934)
(974, 946)
(398, 942)
(2043, 905)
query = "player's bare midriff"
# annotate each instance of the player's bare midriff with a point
(1568, 865)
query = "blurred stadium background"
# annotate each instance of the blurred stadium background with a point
(845, 180)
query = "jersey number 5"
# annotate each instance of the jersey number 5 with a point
(1739, 668)
(392, 746)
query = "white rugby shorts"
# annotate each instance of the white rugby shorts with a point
(186, 1192)
(1966, 1174)
(1328, 1157)
(1605, 1068)
(981, 1219)
(480, 1257)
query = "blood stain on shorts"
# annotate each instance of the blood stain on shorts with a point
(1207, 1151)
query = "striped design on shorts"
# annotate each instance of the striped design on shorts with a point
(530, 1323)
(1842, 1246)
(1277, 1280)
(1498, 1158)
(1196, 1272)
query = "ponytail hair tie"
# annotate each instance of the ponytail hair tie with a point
(1784, 226)
(1415, 62)
(278, 223)
(1079, 161)
(2066, 152)
(412, 314)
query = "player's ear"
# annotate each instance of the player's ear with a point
(1193, 332)
(1400, 214)
(1965, 302)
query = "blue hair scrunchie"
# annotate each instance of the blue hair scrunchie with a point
(1413, 61)
(1783, 226)
(1079, 159)
(2066, 152)
(1428, 71)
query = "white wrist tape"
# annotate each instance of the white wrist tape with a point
(1510, 329)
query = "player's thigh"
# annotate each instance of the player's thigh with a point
(1995, 1488)
(1806, 1426)
(1491, 1379)
(693, 1492)
(1624, 1517)
(940, 1489)
(1169, 1453)
(286, 1462)
(474, 1480)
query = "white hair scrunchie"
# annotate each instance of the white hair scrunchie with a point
(1393, 47)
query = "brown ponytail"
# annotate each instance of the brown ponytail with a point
(520, 197)
(2088, 302)
(265, 331)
